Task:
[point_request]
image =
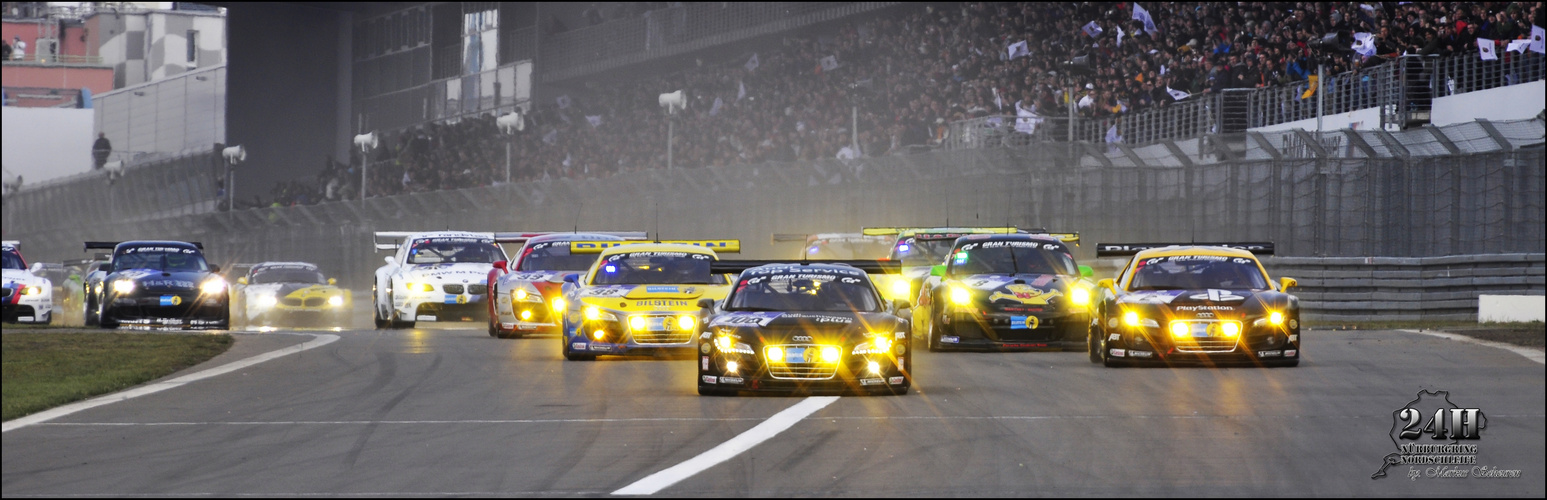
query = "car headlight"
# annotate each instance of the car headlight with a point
(960, 296)
(559, 304)
(336, 300)
(901, 289)
(1079, 296)
(420, 287)
(686, 322)
(831, 354)
(267, 301)
(123, 286)
(881, 344)
(1179, 329)
(1276, 318)
(1131, 318)
(728, 344)
(638, 323)
(774, 353)
(1231, 328)
(213, 286)
(521, 294)
(33, 290)
(593, 313)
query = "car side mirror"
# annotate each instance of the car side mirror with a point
(1107, 284)
(1086, 271)
(1285, 283)
(706, 303)
(105, 267)
(900, 304)
(331, 281)
(214, 268)
(572, 279)
(499, 264)
(36, 266)
(387, 259)
(241, 280)
(937, 270)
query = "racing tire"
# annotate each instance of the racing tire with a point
(105, 318)
(1092, 348)
(1107, 359)
(376, 317)
(398, 324)
(934, 336)
(90, 313)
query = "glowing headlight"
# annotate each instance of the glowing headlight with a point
(638, 323)
(1231, 329)
(831, 354)
(774, 354)
(267, 301)
(593, 313)
(520, 294)
(874, 367)
(526, 314)
(731, 366)
(1179, 329)
(1276, 318)
(960, 296)
(559, 304)
(1079, 296)
(1131, 318)
(123, 286)
(882, 344)
(725, 343)
(213, 286)
(336, 300)
(33, 290)
(900, 289)
(420, 287)
(686, 322)
(599, 334)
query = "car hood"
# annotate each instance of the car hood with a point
(21, 276)
(466, 272)
(537, 276)
(154, 281)
(1208, 302)
(647, 298)
(294, 290)
(1024, 291)
(777, 327)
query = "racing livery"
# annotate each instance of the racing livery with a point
(433, 276)
(920, 249)
(839, 245)
(804, 327)
(25, 297)
(640, 297)
(522, 291)
(1006, 291)
(161, 283)
(290, 293)
(1194, 302)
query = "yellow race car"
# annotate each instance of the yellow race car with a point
(640, 297)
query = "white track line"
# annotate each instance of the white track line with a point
(1532, 354)
(729, 449)
(44, 416)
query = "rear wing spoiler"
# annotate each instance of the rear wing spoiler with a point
(719, 246)
(1064, 237)
(395, 238)
(1126, 249)
(11, 243)
(109, 245)
(868, 266)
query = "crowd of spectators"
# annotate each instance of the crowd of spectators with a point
(909, 72)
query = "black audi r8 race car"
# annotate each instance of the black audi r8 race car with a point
(1007, 291)
(1195, 302)
(161, 283)
(788, 326)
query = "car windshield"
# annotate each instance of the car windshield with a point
(656, 268)
(1013, 257)
(1193, 272)
(554, 256)
(13, 260)
(454, 251)
(805, 290)
(916, 252)
(287, 275)
(160, 259)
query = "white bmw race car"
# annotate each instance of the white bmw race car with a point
(433, 276)
(27, 298)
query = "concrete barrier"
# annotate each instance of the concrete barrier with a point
(1511, 308)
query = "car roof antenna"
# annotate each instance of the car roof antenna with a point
(578, 211)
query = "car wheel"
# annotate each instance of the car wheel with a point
(90, 312)
(105, 318)
(934, 336)
(1106, 356)
(376, 317)
(572, 355)
(1091, 347)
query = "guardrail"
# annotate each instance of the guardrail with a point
(1403, 289)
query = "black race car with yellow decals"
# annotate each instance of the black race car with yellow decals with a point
(1006, 291)
(791, 326)
(290, 293)
(1194, 302)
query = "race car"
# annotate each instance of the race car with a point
(25, 297)
(639, 297)
(1006, 291)
(920, 249)
(290, 293)
(791, 326)
(434, 276)
(839, 245)
(92, 284)
(160, 283)
(1194, 302)
(522, 290)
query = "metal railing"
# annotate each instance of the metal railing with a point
(1469, 73)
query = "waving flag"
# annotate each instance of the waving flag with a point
(1177, 94)
(1143, 15)
(1537, 36)
(1364, 44)
(1091, 29)
(752, 63)
(1019, 49)
(1485, 49)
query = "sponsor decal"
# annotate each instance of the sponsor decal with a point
(182, 284)
(1150, 297)
(950, 339)
(426, 317)
(1042, 280)
(1270, 354)
(1023, 345)
(24, 318)
(819, 318)
(895, 380)
(1294, 337)
(1215, 295)
(871, 381)
(171, 300)
(1140, 354)
(599, 347)
(711, 379)
(1205, 308)
(730, 380)
(1114, 337)
(704, 363)
(902, 335)
(661, 289)
(1290, 353)
(578, 346)
(758, 318)
(1025, 294)
(1438, 439)
(160, 249)
(1024, 322)
(901, 362)
(1119, 353)
(661, 303)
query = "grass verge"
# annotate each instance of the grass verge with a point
(47, 369)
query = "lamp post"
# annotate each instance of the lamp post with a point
(366, 142)
(233, 156)
(673, 102)
(510, 124)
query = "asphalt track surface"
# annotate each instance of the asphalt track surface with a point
(445, 411)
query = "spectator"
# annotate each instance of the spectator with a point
(19, 49)
(100, 150)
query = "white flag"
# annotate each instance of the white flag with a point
(594, 120)
(741, 90)
(1119, 36)
(551, 137)
(1018, 49)
(1091, 29)
(1177, 94)
(563, 101)
(998, 102)
(1537, 36)
(1518, 46)
(1364, 44)
(752, 63)
(1162, 69)
(715, 110)
(1144, 15)
(1113, 136)
(1026, 119)
(829, 63)
(1485, 49)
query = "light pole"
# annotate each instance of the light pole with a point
(673, 102)
(233, 156)
(366, 142)
(510, 124)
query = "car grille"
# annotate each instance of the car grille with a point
(801, 371)
(316, 301)
(478, 289)
(1206, 344)
(291, 302)
(452, 289)
(670, 336)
